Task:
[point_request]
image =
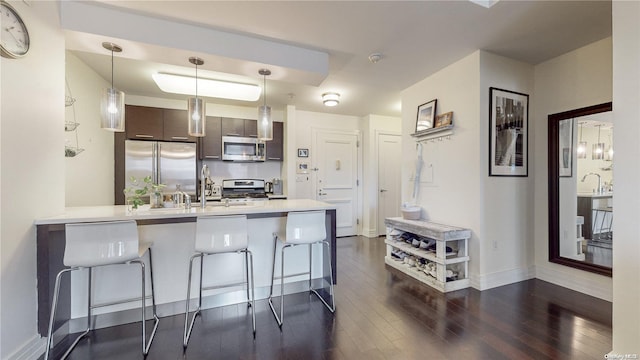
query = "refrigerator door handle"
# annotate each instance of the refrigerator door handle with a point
(156, 162)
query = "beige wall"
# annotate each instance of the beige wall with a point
(626, 115)
(89, 175)
(32, 163)
(455, 187)
(577, 79)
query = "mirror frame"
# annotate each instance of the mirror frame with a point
(554, 184)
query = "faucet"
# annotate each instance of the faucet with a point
(204, 174)
(599, 190)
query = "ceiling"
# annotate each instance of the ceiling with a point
(415, 38)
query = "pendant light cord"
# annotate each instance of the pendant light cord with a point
(112, 68)
(196, 80)
(264, 84)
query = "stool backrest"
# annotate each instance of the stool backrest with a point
(304, 227)
(220, 234)
(101, 243)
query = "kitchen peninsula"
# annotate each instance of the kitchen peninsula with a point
(172, 232)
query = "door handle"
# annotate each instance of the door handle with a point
(320, 193)
(383, 190)
(315, 169)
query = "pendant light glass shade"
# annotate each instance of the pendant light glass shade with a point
(112, 110)
(582, 145)
(582, 150)
(196, 111)
(597, 151)
(112, 102)
(265, 123)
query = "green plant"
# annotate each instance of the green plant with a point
(139, 189)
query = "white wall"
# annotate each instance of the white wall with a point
(455, 186)
(574, 80)
(451, 180)
(89, 175)
(32, 179)
(626, 107)
(507, 252)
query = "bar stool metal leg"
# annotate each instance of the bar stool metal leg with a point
(189, 327)
(146, 344)
(252, 301)
(331, 307)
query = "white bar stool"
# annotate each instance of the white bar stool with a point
(90, 245)
(303, 228)
(219, 235)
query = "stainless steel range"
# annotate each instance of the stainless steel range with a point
(243, 190)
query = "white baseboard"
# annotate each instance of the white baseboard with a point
(600, 287)
(370, 233)
(32, 349)
(488, 281)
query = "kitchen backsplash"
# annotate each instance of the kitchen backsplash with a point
(239, 170)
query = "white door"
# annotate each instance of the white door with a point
(389, 153)
(336, 165)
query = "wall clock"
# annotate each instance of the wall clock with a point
(15, 37)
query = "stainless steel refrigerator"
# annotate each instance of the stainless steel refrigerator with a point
(169, 163)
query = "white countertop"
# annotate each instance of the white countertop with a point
(119, 212)
(594, 195)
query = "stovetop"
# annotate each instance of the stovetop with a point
(243, 189)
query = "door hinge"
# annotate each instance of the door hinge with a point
(357, 182)
(357, 143)
(357, 221)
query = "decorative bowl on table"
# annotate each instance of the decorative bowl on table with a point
(411, 212)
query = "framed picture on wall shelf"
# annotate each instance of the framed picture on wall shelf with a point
(565, 148)
(445, 119)
(426, 116)
(303, 153)
(508, 133)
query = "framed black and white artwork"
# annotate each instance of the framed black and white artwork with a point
(426, 116)
(565, 147)
(508, 133)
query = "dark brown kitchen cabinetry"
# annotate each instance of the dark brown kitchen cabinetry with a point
(239, 127)
(143, 122)
(176, 126)
(211, 143)
(232, 127)
(275, 147)
(150, 123)
(251, 128)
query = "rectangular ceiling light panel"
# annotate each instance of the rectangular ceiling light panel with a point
(186, 85)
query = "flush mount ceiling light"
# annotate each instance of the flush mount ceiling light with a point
(112, 102)
(181, 84)
(485, 3)
(330, 99)
(195, 106)
(265, 123)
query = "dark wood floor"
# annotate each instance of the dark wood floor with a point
(382, 314)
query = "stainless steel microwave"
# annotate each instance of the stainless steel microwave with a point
(236, 148)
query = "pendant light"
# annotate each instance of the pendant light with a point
(582, 145)
(597, 152)
(112, 103)
(608, 155)
(196, 112)
(265, 123)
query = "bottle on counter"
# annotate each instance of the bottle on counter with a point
(178, 197)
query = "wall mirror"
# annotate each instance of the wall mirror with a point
(581, 188)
